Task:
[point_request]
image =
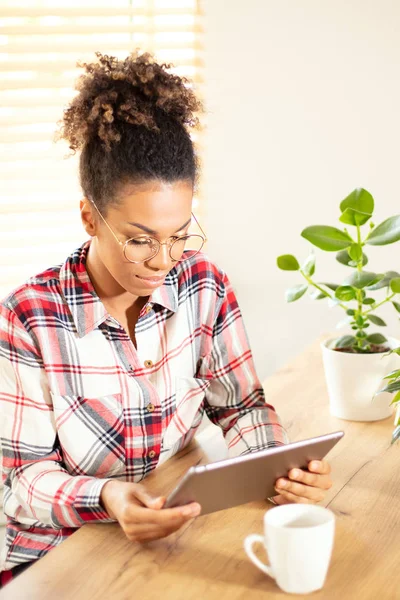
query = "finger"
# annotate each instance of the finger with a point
(289, 498)
(312, 479)
(140, 493)
(139, 531)
(164, 518)
(298, 489)
(319, 466)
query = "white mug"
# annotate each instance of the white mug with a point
(298, 539)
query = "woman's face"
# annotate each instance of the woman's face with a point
(157, 209)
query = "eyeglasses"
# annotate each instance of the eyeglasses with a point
(141, 248)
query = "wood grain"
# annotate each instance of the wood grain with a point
(206, 557)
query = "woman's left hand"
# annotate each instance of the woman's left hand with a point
(306, 487)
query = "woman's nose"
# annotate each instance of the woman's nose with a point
(162, 260)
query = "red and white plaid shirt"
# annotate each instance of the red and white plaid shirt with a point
(80, 404)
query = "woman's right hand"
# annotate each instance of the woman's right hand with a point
(140, 514)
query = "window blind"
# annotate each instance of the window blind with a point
(40, 43)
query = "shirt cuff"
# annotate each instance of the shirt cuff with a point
(85, 505)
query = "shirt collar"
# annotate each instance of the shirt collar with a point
(87, 310)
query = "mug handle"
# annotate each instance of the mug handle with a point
(248, 546)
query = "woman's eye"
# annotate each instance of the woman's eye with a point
(140, 242)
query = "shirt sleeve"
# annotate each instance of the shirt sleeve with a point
(235, 398)
(37, 487)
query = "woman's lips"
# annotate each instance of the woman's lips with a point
(152, 281)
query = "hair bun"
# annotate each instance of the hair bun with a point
(116, 92)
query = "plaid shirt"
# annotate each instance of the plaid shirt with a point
(80, 404)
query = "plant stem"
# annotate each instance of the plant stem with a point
(359, 311)
(380, 304)
(311, 282)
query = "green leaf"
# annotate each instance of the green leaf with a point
(345, 293)
(393, 374)
(396, 305)
(345, 341)
(376, 338)
(309, 265)
(385, 282)
(351, 312)
(355, 252)
(327, 238)
(361, 335)
(392, 387)
(376, 320)
(387, 232)
(395, 285)
(288, 262)
(394, 351)
(395, 435)
(354, 217)
(331, 286)
(360, 279)
(344, 259)
(360, 201)
(359, 320)
(396, 399)
(296, 292)
(368, 301)
(317, 295)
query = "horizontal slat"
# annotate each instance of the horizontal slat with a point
(62, 81)
(36, 114)
(25, 186)
(13, 137)
(51, 151)
(21, 229)
(40, 206)
(105, 46)
(55, 99)
(55, 233)
(32, 260)
(99, 11)
(110, 28)
(49, 170)
(24, 64)
(59, 97)
(35, 152)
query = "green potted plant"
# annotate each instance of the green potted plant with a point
(355, 363)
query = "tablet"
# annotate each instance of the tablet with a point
(247, 478)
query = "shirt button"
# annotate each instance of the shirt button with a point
(148, 363)
(150, 407)
(148, 308)
(152, 454)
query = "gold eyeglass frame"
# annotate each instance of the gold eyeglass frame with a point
(170, 244)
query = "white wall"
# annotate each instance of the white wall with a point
(303, 106)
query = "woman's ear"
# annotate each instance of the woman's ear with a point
(88, 218)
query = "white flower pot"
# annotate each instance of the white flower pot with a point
(353, 379)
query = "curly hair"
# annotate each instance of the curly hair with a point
(131, 121)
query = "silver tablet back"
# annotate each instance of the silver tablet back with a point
(247, 478)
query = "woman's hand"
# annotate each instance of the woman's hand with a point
(140, 514)
(306, 487)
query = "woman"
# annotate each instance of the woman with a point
(109, 360)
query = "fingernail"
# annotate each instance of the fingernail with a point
(295, 473)
(189, 511)
(315, 466)
(281, 484)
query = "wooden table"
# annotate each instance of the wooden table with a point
(206, 559)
